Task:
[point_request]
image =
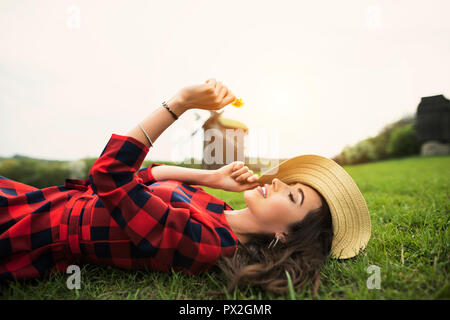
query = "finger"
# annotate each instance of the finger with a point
(211, 84)
(248, 186)
(253, 178)
(237, 165)
(244, 176)
(253, 185)
(238, 172)
(223, 92)
(229, 98)
(217, 88)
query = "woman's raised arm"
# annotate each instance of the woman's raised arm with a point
(158, 121)
(212, 95)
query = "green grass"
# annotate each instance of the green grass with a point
(409, 204)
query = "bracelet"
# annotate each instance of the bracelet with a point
(171, 112)
(148, 138)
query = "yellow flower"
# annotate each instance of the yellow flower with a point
(237, 103)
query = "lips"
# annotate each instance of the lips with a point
(261, 191)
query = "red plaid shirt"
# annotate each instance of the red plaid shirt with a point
(120, 216)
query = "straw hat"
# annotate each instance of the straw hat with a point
(349, 212)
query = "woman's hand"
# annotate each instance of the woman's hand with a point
(212, 95)
(234, 177)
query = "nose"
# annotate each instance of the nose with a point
(276, 183)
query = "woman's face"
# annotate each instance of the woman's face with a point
(283, 205)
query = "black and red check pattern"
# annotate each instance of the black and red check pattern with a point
(120, 216)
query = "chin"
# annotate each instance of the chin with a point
(249, 195)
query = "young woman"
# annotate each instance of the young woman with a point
(158, 217)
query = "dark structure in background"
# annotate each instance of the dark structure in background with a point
(216, 121)
(433, 125)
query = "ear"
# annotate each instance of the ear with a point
(282, 236)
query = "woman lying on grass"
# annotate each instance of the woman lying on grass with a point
(298, 213)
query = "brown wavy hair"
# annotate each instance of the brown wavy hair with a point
(307, 247)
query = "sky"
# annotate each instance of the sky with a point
(315, 76)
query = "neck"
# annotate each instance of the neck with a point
(242, 223)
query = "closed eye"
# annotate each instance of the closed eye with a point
(292, 197)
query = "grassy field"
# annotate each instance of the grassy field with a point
(409, 204)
